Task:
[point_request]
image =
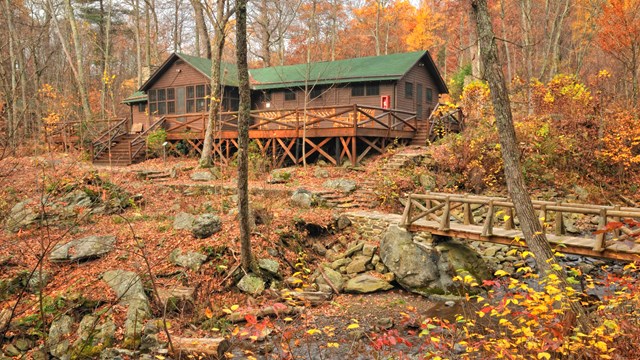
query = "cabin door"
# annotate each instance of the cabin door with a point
(180, 102)
(419, 101)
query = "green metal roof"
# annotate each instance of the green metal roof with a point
(137, 96)
(372, 68)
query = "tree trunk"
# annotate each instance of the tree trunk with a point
(531, 227)
(80, 79)
(243, 133)
(136, 9)
(202, 40)
(12, 110)
(527, 49)
(219, 22)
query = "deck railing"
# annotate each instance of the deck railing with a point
(140, 142)
(327, 117)
(103, 142)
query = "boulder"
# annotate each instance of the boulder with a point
(89, 247)
(358, 264)
(183, 221)
(281, 176)
(76, 198)
(333, 276)
(271, 267)
(342, 222)
(343, 185)
(191, 260)
(321, 173)
(21, 216)
(251, 284)
(206, 225)
(427, 181)
(58, 332)
(130, 292)
(428, 270)
(302, 198)
(176, 297)
(366, 283)
(204, 176)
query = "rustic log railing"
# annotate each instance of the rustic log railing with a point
(105, 140)
(140, 142)
(66, 132)
(452, 215)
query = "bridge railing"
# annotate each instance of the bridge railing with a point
(443, 207)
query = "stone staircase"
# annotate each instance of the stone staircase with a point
(156, 176)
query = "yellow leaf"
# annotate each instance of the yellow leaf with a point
(601, 345)
(501, 273)
(544, 355)
(227, 311)
(287, 319)
(160, 357)
(234, 307)
(333, 344)
(313, 331)
(353, 326)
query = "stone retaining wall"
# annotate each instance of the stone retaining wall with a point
(371, 225)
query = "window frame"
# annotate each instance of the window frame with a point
(408, 90)
(428, 92)
(290, 95)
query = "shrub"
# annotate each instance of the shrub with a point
(155, 139)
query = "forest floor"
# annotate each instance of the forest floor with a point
(376, 325)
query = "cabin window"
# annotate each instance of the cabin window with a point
(408, 90)
(142, 107)
(357, 90)
(152, 95)
(315, 93)
(161, 102)
(266, 96)
(289, 95)
(373, 89)
(429, 94)
(369, 89)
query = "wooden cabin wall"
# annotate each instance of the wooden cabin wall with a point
(418, 75)
(139, 117)
(339, 94)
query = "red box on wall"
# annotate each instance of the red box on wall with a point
(385, 101)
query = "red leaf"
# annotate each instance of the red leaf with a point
(251, 319)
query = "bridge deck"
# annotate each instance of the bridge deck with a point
(570, 244)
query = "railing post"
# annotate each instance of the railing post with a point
(355, 116)
(468, 216)
(487, 229)
(543, 217)
(130, 159)
(559, 222)
(445, 220)
(509, 223)
(600, 238)
(406, 216)
(616, 232)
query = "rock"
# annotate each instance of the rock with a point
(183, 221)
(380, 268)
(358, 264)
(206, 225)
(425, 270)
(321, 173)
(58, 332)
(271, 267)
(281, 176)
(365, 283)
(570, 227)
(177, 297)
(427, 181)
(385, 323)
(319, 249)
(581, 192)
(369, 250)
(191, 260)
(251, 284)
(129, 289)
(333, 276)
(302, 198)
(24, 344)
(76, 198)
(12, 351)
(204, 176)
(353, 249)
(340, 263)
(491, 250)
(89, 247)
(344, 185)
(21, 216)
(342, 222)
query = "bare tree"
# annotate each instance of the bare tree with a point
(243, 133)
(79, 73)
(531, 227)
(223, 12)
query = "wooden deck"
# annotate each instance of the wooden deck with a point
(332, 133)
(451, 215)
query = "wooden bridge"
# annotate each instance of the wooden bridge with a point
(453, 215)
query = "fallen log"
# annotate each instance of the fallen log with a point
(313, 298)
(208, 346)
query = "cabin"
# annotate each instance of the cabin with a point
(335, 110)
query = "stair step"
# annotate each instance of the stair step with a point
(158, 176)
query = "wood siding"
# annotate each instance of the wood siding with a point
(418, 75)
(331, 95)
(139, 117)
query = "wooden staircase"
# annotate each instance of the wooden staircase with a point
(121, 152)
(420, 138)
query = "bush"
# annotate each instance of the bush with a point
(155, 139)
